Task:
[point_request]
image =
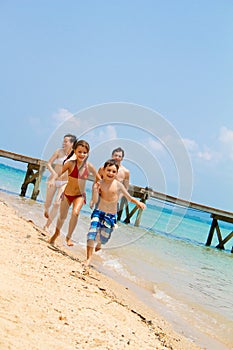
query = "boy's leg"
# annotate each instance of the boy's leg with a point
(98, 247)
(90, 248)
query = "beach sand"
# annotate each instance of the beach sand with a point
(46, 302)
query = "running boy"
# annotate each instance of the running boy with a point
(103, 219)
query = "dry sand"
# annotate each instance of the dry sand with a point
(46, 303)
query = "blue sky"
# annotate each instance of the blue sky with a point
(173, 57)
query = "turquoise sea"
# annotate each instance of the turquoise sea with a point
(165, 261)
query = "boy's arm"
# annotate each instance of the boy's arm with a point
(138, 203)
(130, 198)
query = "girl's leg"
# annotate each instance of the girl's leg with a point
(64, 208)
(77, 205)
(50, 192)
(55, 207)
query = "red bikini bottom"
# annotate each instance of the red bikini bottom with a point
(72, 198)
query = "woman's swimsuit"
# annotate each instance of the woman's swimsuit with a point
(60, 183)
(77, 175)
(60, 160)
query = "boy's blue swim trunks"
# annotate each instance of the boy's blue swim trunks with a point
(102, 223)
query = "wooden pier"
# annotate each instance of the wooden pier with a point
(215, 214)
(36, 167)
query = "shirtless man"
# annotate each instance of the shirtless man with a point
(123, 174)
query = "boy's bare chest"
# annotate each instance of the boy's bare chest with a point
(108, 191)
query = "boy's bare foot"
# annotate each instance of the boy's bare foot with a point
(46, 214)
(98, 247)
(69, 242)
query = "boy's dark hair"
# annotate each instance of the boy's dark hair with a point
(111, 162)
(119, 149)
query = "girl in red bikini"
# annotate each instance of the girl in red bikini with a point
(74, 193)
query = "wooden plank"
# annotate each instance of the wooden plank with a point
(22, 158)
(138, 218)
(226, 239)
(222, 218)
(221, 245)
(178, 201)
(211, 232)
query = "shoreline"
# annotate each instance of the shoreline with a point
(46, 302)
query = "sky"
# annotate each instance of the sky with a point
(152, 76)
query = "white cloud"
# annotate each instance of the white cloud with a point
(226, 136)
(191, 145)
(155, 145)
(103, 134)
(202, 152)
(62, 115)
(205, 155)
(108, 133)
(226, 139)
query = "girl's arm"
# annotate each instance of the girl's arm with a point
(93, 172)
(50, 162)
(95, 193)
(65, 167)
(97, 178)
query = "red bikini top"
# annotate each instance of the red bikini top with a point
(76, 174)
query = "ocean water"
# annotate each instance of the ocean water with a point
(165, 261)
